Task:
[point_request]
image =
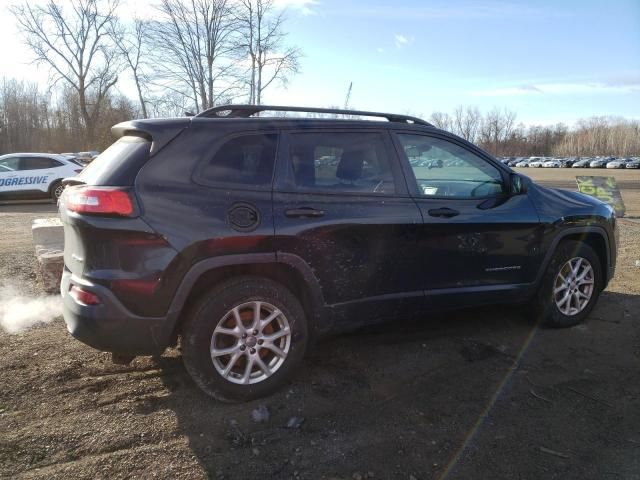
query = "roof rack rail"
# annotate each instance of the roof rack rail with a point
(246, 111)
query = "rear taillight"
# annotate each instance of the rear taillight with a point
(83, 296)
(98, 200)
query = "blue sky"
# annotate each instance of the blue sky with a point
(551, 61)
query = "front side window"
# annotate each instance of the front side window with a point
(340, 162)
(38, 163)
(9, 164)
(445, 169)
(246, 160)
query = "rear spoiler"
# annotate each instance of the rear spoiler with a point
(159, 131)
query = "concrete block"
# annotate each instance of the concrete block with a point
(47, 231)
(50, 266)
(48, 241)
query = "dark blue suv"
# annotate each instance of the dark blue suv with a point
(242, 236)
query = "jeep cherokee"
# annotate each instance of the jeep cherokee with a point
(243, 236)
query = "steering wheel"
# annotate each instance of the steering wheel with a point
(475, 189)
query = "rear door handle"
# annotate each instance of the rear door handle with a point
(443, 212)
(304, 212)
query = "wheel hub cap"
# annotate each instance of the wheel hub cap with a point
(250, 342)
(573, 286)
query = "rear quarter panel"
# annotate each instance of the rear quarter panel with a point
(193, 218)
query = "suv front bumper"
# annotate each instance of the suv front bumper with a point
(109, 326)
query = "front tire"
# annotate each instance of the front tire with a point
(570, 287)
(244, 339)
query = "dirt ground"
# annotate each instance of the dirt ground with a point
(474, 394)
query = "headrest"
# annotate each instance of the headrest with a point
(350, 166)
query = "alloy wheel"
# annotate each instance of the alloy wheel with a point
(573, 286)
(250, 343)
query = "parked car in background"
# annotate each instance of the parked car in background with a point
(515, 161)
(583, 163)
(618, 163)
(633, 163)
(568, 162)
(34, 175)
(536, 163)
(522, 164)
(552, 164)
(87, 157)
(599, 162)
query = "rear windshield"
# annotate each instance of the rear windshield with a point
(119, 164)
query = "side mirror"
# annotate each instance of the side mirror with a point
(518, 185)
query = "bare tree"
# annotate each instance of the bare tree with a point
(262, 39)
(132, 45)
(466, 122)
(169, 104)
(74, 42)
(497, 126)
(441, 120)
(192, 43)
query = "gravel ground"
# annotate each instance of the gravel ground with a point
(475, 394)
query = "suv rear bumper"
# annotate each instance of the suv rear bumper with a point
(110, 327)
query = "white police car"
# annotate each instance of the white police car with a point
(34, 175)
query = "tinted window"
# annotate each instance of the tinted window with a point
(445, 169)
(246, 160)
(351, 162)
(118, 164)
(38, 163)
(9, 164)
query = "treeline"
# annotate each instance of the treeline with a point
(33, 120)
(498, 132)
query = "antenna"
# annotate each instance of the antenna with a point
(346, 100)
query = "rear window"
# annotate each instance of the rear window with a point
(246, 160)
(38, 163)
(119, 164)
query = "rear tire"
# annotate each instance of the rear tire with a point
(56, 190)
(225, 321)
(570, 287)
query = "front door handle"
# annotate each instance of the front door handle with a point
(443, 212)
(305, 212)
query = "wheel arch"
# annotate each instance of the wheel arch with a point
(595, 237)
(288, 270)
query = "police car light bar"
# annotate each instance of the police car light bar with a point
(98, 200)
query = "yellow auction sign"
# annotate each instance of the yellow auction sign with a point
(604, 189)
